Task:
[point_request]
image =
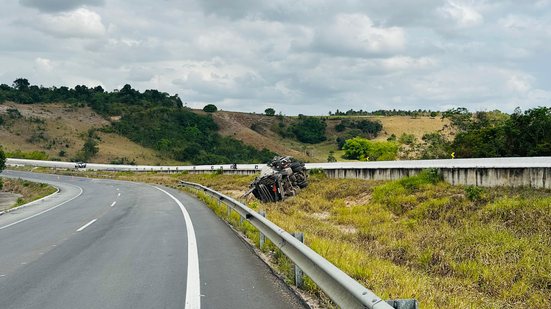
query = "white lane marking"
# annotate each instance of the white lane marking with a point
(86, 225)
(115, 202)
(193, 287)
(45, 211)
(119, 194)
(117, 189)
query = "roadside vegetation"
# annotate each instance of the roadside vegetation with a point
(418, 237)
(447, 246)
(151, 118)
(29, 191)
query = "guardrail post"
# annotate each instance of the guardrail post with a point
(262, 236)
(298, 272)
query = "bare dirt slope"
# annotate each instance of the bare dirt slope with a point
(240, 126)
(59, 129)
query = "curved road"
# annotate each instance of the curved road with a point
(113, 244)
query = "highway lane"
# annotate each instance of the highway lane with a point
(115, 244)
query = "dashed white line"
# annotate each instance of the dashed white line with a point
(119, 194)
(193, 287)
(115, 202)
(86, 225)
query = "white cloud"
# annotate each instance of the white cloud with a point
(400, 63)
(357, 34)
(462, 14)
(525, 26)
(307, 56)
(519, 83)
(80, 23)
(43, 64)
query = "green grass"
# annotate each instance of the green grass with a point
(425, 239)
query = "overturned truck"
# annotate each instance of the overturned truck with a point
(281, 178)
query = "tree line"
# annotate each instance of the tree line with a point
(151, 118)
(386, 112)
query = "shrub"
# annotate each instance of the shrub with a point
(316, 171)
(2, 159)
(309, 130)
(363, 149)
(32, 155)
(210, 108)
(473, 193)
(331, 157)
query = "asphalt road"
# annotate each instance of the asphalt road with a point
(113, 244)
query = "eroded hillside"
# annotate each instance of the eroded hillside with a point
(59, 129)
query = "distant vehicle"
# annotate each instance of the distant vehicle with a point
(80, 165)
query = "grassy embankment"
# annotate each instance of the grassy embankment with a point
(29, 190)
(447, 246)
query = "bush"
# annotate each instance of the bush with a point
(340, 127)
(210, 108)
(363, 149)
(13, 113)
(316, 171)
(2, 159)
(309, 130)
(331, 157)
(269, 112)
(473, 193)
(32, 155)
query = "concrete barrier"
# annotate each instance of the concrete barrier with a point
(534, 172)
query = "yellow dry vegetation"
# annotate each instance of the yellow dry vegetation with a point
(28, 190)
(53, 128)
(415, 239)
(239, 126)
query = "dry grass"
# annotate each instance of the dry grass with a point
(238, 125)
(413, 239)
(55, 127)
(28, 190)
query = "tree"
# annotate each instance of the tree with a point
(2, 164)
(436, 146)
(331, 157)
(269, 111)
(460, 118)
(2, 159)
(210, 108)
(309, 130)
(363, 149)
(21, 84)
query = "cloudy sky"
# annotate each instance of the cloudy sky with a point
(301, 56)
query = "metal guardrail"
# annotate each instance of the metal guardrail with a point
(341, 288)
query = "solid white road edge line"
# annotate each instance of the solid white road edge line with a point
(42, 212)
(193, 288)
(86, 225)
(115, 202)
